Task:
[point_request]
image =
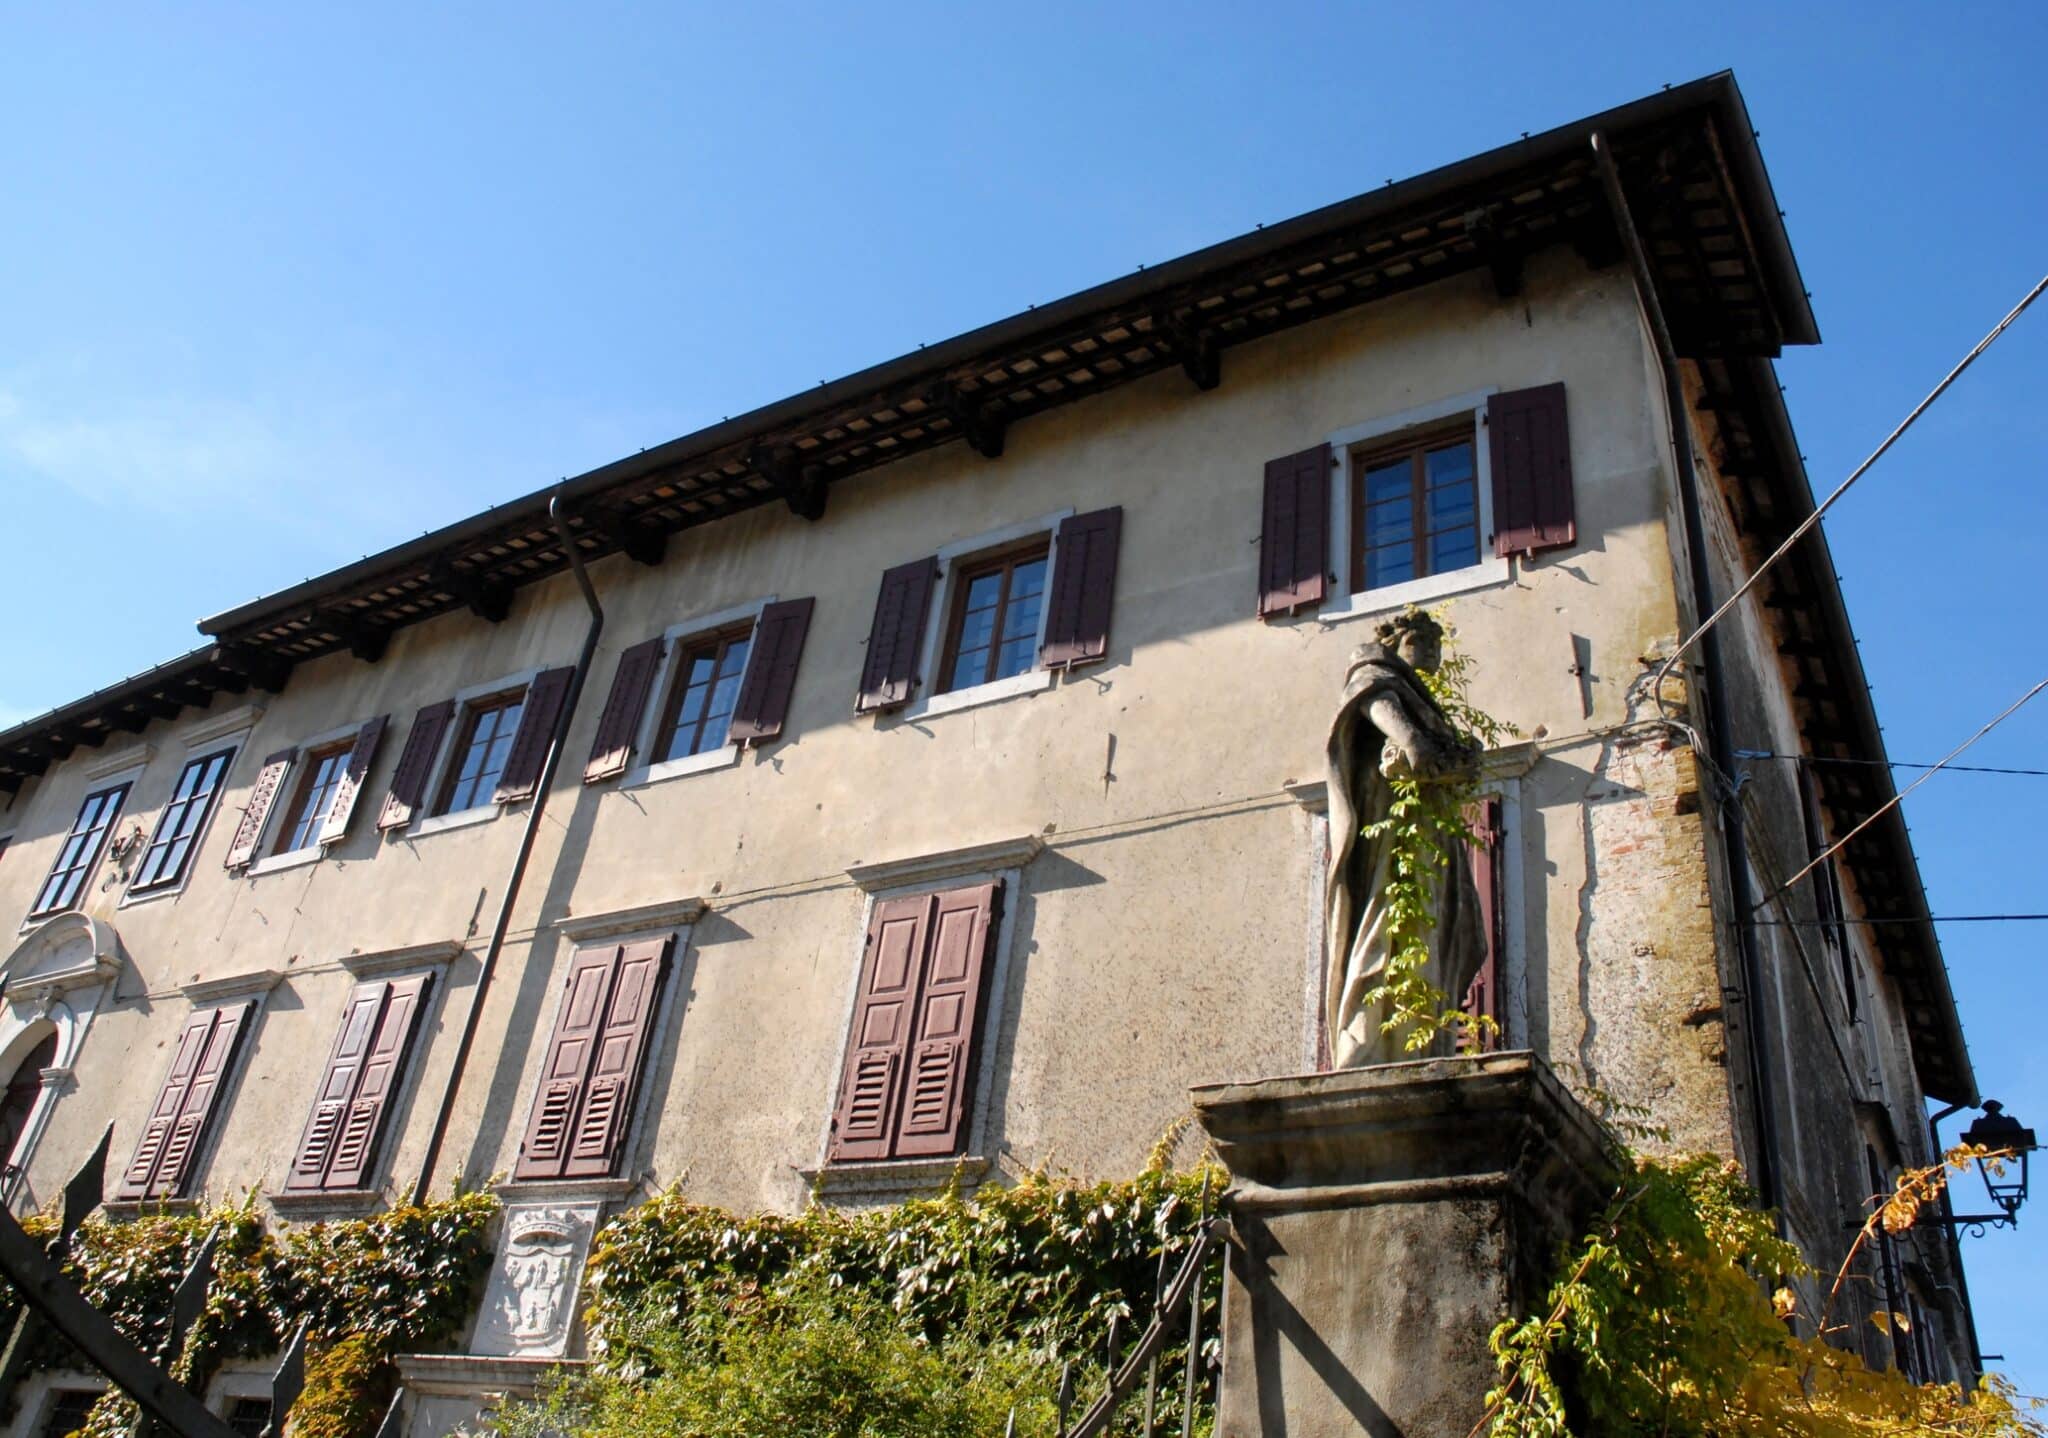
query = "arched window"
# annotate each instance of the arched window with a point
(22, 1092)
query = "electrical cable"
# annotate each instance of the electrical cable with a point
(1894, 801)
(1657, 686)
(1890, 764)
(1935, 919)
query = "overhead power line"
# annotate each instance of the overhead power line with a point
(1894, 801)
(1889, 763)
(1841, 489)
(1934, 919)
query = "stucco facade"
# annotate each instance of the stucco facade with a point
(1154, 816)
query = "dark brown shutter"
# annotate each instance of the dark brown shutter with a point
(1482, 996)
(337, 1087)
(555, 1103)
(202, 1096)
(360, 758)
(163, 1115)
(624, 708)
(1083, 584)
(415, 764)
(537, 718)
(383, 1066)
(763, 704)
(1532, 470)
(1294, 542)
(262, 794)
(621, 1048)
(883, 1015)
(897, 637)
(939, 1083)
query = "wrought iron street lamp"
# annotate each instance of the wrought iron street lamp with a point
(2005, 1174)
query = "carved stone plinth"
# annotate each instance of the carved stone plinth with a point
(1389, 1217)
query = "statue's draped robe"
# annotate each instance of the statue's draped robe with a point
(1356, 938)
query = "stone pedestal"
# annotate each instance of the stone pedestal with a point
(1389, 1217)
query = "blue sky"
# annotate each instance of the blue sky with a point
(281, 288)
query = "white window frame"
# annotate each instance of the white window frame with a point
(1352, 602)
(929, 702)
(664, 680)
(96, 782)
(477, 813)
(230, 744)
(281, 802)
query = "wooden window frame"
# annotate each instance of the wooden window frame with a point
(469, 712)
(307, 769)
(80, 872)
(181, 806)
(960, 581)
(683, 652)
(1415, 444)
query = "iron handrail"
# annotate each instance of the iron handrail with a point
(1185, 1292)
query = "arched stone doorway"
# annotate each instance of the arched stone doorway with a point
(18, 1101)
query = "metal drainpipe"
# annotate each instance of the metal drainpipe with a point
(1734, 843)
(1955, 1244)
(526, 837)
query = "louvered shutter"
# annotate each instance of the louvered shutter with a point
(616, 1060)
(262, 794)
(415, 764)
(337, 1087)
(1482, 996)
(939, 1081)
(763, 705)
(383, 1067)
(335, 827)
(877, 1043)
(537, 719)
(1294, 541)
(897, 637)
(619, 725)
(202, 1098)
(163, 1115)
(1083, 585)
(551, 1124)
(1531, 459)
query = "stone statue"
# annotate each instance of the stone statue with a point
(1390, 727)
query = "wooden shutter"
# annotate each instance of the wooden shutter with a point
(1083, 584)
(537, 719)
(897, 637)
(262, 794)
(1294, 542)
(415, 764)
(883, 1013)
(619, 725)
(383, 1066)
(616, 1060)
(1482, 996)
(763, 705)
(163, 1115)
(337, 1087)
(939, 1082)
(1532, 470)
(548, 1128)
(360, 758)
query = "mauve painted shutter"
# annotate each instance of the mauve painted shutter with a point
(202, 1097)
(763, 705)
(615, 1065)
(1294, 542)
(163, 1116)
(876, 1043)
(1083, 584)
(529, 754)
(624, 707)
(337, 1087)
(360, 758)
(415, 763)
(894, 642)
(939, 1085)
(262, 794)
(1482, 996)
(550, 1126)
(1532, 470)
(382, 1068)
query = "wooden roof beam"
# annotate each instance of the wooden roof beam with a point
(801, 485)
(266, 671)
(485, 597)
(976, 420)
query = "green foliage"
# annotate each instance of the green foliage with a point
(1662, 1323)
(934, 1316)
(348, 1385)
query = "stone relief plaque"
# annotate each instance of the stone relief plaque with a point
(529, 1305)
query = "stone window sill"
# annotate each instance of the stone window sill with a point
(544, 1189)
(891, 1177)
(148, 1207)
(313, 1205)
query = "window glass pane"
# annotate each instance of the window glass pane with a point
(1389, 481)
(1389, 566)
(1388, 523)
(1453, 549)
(1450, 465)
(1452, 504)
